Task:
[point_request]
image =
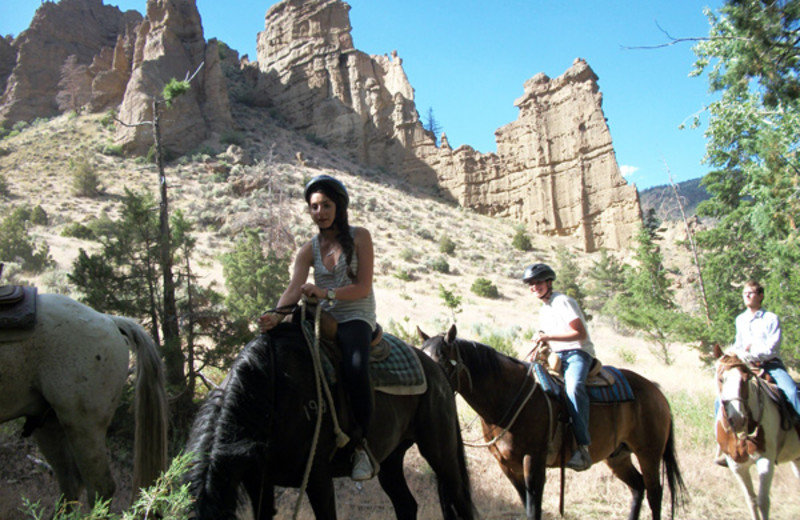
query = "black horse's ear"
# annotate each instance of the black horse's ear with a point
(451, 333)
(422, 335)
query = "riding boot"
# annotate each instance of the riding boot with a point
(580, 460)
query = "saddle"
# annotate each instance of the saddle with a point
(788, 418)
(598, 374)
(604, 384)
(17, 307)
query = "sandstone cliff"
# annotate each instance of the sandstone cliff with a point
(79, 28)
(170, 44)
(555, 169)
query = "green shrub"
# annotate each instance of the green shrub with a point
(39, 216)
(4, 191)
(521, 240)
(232, 137)
(447, 245)
(500, 343)
(17, 245)
(439, 265)
(403, 275)
(112, 150)
(107, 121)
(485, 288)
(407, 254)
(78, 230)
(85, 181)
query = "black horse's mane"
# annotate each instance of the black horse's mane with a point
(229, 432)
(485, 359)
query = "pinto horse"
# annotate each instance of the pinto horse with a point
(518, 418)
(259, 430)
(65, 375)
(749, 431)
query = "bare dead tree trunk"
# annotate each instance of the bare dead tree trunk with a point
(173, 357)
(693, 247)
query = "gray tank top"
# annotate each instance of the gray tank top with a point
(363, 309)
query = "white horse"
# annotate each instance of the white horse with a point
(748, 430)
(65, 376)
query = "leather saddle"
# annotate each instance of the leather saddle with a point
(17, 307)
(598, 374)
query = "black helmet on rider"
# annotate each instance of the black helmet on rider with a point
(328, 185)
(538, 272)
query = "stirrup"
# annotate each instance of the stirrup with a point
(362, 466)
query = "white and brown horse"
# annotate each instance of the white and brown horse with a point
(749, 431)
(65, 375)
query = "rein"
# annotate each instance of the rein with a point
(745, 401)
(319, 379)
(459, 366)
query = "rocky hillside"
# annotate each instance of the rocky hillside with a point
(662, 199)
(555, 171)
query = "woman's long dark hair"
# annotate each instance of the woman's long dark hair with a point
(342, 226)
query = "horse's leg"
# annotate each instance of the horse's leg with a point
(442, 447)
(650, 465)
(53, 444)
(394, 484)
(321, 496)
(766, 470)
(622, 466)
(742, 474)
(88, 443)
(262, 495)
(534, 468)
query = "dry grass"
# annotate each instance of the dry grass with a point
(406, 225)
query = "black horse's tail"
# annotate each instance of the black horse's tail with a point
(677, 488)
(464, 499)
(222, 438)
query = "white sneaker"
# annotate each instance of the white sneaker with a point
(362, 467)
(580, 460)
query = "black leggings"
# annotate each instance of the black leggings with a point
(354, 338)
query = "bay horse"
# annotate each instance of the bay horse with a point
(257, 431)
(65, 375)
(749, 431)
(521, 431)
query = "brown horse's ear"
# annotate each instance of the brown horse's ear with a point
(424, 337)
(717, 351)
(451, 333)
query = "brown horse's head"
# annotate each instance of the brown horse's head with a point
(733, 378)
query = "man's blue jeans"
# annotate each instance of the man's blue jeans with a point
(777, 370)
(575, 365)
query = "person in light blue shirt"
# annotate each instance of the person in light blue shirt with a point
(758, 342)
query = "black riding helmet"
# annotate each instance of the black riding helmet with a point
(332, 184)
(537, 272)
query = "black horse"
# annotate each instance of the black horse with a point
(257, 432)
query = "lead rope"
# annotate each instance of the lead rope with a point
(319, 380)
(510, 424)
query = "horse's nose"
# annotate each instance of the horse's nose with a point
(736, 419)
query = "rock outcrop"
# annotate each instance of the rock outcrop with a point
(325, 88)
(80, 28)
(555, 169)
(170, 44)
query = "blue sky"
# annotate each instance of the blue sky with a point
(468, 61)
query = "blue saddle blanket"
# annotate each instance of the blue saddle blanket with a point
(619, 392)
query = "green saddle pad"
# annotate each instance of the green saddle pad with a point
(398, 373)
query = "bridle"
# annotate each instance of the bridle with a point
(742, 397)
(457, 365)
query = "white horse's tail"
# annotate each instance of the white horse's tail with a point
(150, 441)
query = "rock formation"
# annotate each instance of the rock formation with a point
(325, 88)
(555, 169)
(80, 28)
(170, 44)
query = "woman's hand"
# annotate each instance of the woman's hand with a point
(268, 321)
(312, 291)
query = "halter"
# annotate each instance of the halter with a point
(735, 363)
(457, 366)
